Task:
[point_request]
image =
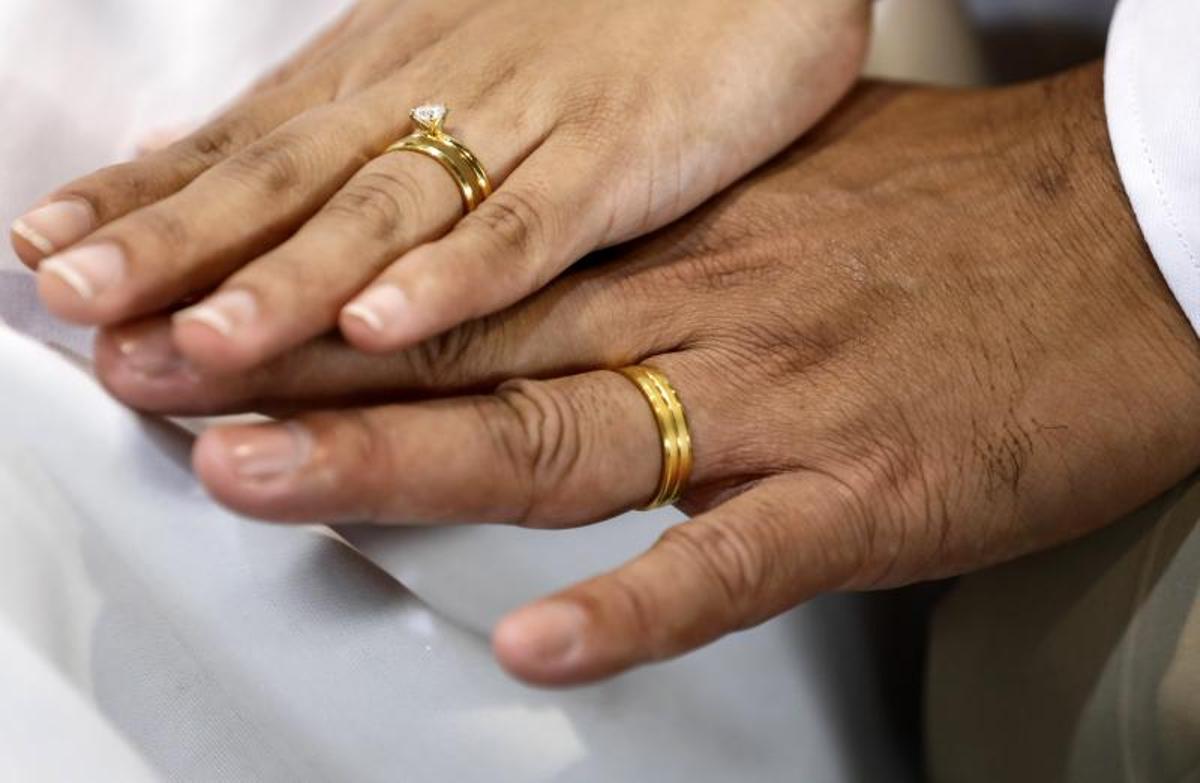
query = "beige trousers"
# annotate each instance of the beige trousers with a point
(1080, 664)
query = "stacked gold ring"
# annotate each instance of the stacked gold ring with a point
(673, 432)
(431, 140)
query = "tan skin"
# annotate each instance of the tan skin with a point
(925, 340)
(598, 120)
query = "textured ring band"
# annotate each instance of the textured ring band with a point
(431, 140)
(674, 435)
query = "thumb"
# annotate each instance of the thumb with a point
(733, 567)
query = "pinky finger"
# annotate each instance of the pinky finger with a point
(733, 567)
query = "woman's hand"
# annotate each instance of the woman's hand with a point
(926, 340)
(598, 122)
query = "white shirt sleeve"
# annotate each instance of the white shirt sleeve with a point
(1152, 96)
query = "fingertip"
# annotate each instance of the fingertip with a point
(380, 320)
(363, 335)
(140, 366)
(209, 347)
(28, 250)
(65, 294)
(48, 228)
(545, 644)
(224, 333)
(86, 284)
(209, 459)
(267, 471)
(213, 465)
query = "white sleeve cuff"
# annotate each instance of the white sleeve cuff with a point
(1152, 96)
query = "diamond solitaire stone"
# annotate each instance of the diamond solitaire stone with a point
(430, 116)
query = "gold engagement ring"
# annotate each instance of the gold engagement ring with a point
(431, 140)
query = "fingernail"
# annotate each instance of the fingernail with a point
(56, 225)
(89, 271)
(224, 313)
(152, 355)
(271, 452)
(378, 307)
(552, 634)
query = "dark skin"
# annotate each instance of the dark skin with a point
(927, 339)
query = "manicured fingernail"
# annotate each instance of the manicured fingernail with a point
(90, 270)
(271, 452)
(551, 634)
(152, 355)
(378, 307)
(56, 225)
(225, 313)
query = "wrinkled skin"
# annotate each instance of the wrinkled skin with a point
(925, 340)
(598, 121)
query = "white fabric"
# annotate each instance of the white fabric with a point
(1153, 102)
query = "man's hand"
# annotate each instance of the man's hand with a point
(926, 340)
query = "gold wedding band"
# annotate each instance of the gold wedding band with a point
(673, 431)
(431, 140)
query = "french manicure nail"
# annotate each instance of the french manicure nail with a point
(271, 452)
(90, 270)
(378, 307)
(225, 313)
(554, 632)
(56, 225)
